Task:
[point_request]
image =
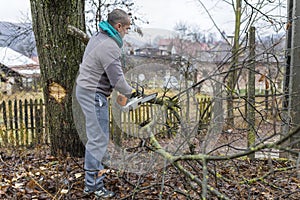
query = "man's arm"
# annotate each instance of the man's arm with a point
(117, 79)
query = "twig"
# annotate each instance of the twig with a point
(35, 182)
(198, 181)
(266, 175)
(284, 196)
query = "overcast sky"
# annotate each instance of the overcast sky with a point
(14, 10)
(166, 13)
(160, 13)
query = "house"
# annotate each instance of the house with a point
(148, 52)
(17, 71)
(186, 48)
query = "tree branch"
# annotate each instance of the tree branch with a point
(251, 150)
(82, 36)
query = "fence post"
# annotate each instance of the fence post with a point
(41, 105)
(26, 121)
(10, 120)
(31, 120)
(5, 139)
(251, 93)
(37, 113)
(16, 122)
(22, 130)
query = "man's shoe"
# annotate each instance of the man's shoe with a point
(101, 192)
(86, 191)
(104, 193)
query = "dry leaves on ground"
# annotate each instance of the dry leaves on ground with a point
(35, 174)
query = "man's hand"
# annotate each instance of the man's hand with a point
(122, 100)
(136, 93)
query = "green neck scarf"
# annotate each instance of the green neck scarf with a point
(111, 32)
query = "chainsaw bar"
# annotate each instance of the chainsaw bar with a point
(149, 97)
(134, 103)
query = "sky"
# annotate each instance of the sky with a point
(168, 13)
(14, 10)
(163, 14)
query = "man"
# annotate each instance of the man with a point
(100, 72)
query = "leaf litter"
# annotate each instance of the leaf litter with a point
(35, 174)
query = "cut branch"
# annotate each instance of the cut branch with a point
(82, 36)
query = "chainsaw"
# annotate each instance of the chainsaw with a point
(129, 104)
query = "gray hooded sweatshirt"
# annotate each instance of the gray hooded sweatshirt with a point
(101, 68)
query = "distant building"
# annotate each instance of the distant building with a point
(150, 52)
(176, 46)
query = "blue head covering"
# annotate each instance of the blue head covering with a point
(111, 32)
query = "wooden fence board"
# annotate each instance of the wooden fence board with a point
(21, 123)
(26, 121)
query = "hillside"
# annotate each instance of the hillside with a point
(19, 37)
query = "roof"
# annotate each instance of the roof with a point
(182, 47)
(11, 58)
(19, 63)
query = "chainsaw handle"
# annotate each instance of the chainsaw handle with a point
(138, 88)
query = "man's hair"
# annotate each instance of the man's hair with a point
(118, 16)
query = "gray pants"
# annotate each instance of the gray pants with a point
(95, 109)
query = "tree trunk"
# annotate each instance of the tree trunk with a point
(286, 82)
(251, 93)
(294, 97)
(59, 56)
(232, 75)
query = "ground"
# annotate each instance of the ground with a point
(35, 174)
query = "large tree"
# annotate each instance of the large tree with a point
(60, 30)
(292, 82)
(59, 56)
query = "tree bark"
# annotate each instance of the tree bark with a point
(286, 82)
(232, 75)
(294, 97)
(251, 93)
(59, 56)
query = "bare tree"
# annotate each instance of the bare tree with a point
(97, 10)
(292, 70)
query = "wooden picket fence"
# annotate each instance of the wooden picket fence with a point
(22, 122)
(131, 122)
